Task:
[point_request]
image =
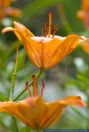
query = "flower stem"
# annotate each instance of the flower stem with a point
(15, 123)
(14, 75)
(21, 93)
(64, 20)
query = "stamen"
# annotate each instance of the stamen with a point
(35, 89)
(27, 87)
(55, 30)
(42, 89)
(45, 29)
(50, 24)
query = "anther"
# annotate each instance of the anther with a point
(55, 30)
(42, 89)
(50, 24)
(45, 29)
(27, 87)
(35, 89)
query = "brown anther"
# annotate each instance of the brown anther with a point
(55, 30)
(45, 30)
(27, 87)
(35, 89)
(50, 24)
(42, 89)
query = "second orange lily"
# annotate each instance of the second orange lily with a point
(37, 113)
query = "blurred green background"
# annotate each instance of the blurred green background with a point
(70, 77)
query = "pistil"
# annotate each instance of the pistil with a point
(50, 24)
(35, 89)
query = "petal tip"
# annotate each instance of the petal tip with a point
(15, 22)
(7, 29)
(75, 100)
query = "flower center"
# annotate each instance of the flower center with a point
(48, 29)
(35, 87)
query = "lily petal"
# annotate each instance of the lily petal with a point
(38, 113)
(5, 3)
(85, 5)
(55, 56)
(23, 29)
(84, 43)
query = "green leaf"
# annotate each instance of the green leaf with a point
(3, 98)
(37, 6)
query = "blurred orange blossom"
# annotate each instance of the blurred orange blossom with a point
(85, 44)
(83, 14)
(7, 10)
(48, 50)
(37, 113)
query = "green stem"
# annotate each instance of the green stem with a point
(37, 77)
(15, 123)
(64, 20)
(14, 75)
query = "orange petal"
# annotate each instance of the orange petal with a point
(5, 3)
(85, 5)
(73, 100)
(38, 113)
(23, 29)
(84, 43)
(7, 29)
(42, 53)
(24, 38)
(70, 43)
(55, 55)
(86, 48)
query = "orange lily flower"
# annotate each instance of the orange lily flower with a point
(48, 50)
(86, 48)
(83, 14)
(85, 44)
(37, 113)
(7, 10)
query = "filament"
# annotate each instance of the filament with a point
(42, 89)
(45, 29)
(27, 87)
(55, 30)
